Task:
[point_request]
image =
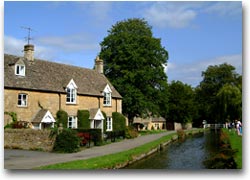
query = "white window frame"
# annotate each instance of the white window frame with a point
(107, 96)
(20, 70)
(22, 100)
(71, 92)
(72, 122)
(71, 96)
(109, 121)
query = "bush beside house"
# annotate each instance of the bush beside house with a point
(67, 141)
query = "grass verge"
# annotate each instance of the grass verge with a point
(236, 144)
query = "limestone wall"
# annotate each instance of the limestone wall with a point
(28, 139)
(53, 102)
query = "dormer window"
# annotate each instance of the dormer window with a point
(71, 91)
(20, 70)
(107, 96)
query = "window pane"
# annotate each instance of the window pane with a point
(17, 70)
(22, 100)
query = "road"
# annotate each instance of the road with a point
(24, 159)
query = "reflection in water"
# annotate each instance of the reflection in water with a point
(189, 154)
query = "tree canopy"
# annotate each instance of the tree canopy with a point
(182, 107)
(219, 82)
(133, 62)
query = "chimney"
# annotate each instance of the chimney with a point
(99, 65)
(29, 52)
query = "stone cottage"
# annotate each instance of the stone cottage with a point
(150, 123)
(36, 89)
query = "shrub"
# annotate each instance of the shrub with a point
(83, 119)
(95, 135)
(13, 116)
(67, 141)
(130, 132)
(104, 122)
(62, 117)
(119, 121)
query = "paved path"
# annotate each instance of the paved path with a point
(23, 159)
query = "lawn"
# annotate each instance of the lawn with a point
(236, 144)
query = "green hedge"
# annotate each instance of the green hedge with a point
(83, 119)
(62, 117)
(119, 121)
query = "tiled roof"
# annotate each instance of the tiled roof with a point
(39, 116)
(43, 75)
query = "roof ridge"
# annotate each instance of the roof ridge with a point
(54, 62)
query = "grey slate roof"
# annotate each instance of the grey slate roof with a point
(54, 77)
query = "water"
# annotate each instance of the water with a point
(188, 154)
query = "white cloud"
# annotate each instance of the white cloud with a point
(173, 15)
(191, 73)
(183, 14)
(230, 8)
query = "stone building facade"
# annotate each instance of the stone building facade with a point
(36, 89)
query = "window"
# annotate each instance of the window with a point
(22, 100)
(107, 96)
(72, 122)
(71, 96)
(107, 99)
(109, 124)
(71, 91)
(20, 70)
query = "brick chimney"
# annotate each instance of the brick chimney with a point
(29, 52)
(99, 65)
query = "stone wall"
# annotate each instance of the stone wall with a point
(28, 139)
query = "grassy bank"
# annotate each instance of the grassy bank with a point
(113, 160)
(236, 144)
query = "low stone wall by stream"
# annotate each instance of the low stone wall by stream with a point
(28, 139)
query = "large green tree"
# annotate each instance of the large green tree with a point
(214, 78)
(182, 106)
(229, 100)
(133, 62)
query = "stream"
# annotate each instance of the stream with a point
(186, 154)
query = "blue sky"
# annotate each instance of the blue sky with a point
(196, 34)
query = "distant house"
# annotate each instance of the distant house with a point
(36, 89)
(150, 123)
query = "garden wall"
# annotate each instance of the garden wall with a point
(28, 139)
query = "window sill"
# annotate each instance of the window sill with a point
(68, 103)
(20, 106)
(107, 105)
